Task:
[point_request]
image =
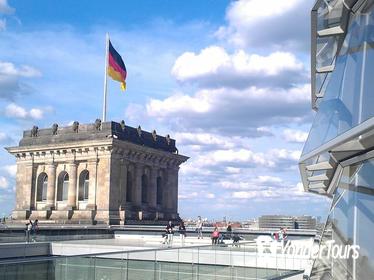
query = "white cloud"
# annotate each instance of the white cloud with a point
(248, 12)
(231, 111)
(201, 195)
(204, 139)
(8, 68)
(235, 156)
(178, 103)
(208, 61)
(244, 195)
(36, 114)
(255, 184)
(5, 8)
(210, 195)
(232, 170)
(281, 193)
(212, 59)
(292, 135)
(11, 169)
(214, 67)
(188, 195)
(15, 111)
(267, 23)
(284, 154)
(5, 138)
(11, 83)
(3, 182)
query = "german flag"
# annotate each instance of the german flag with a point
(116, 67)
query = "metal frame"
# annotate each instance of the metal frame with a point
(348, 6)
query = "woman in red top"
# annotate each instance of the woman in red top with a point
(215, 235)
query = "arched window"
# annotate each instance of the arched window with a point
(129, 187)
(144, 189)
(63, 186)
(42, 185)
(159, 190)
(84, 183)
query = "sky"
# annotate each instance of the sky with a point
(229, 80)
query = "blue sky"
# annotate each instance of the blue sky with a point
(228, 80)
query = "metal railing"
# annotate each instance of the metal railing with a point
(239, 261)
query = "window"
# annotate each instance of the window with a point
(159, 190)
(42, 185)
(129, 187)
(144, 189)
(84, 183)
(63, 186)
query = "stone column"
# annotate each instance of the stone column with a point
(165, 189)
(153, 187)
(25, 190)
(32, 169)
(138, 185)
(123, 198)
(171, 195)
(92, 169)
(51, 188)
(175, 190)
(72, 191)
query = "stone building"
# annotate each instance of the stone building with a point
(102, 172)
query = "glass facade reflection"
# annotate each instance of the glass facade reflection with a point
(348, 94)
(338, 158)
(350, 222)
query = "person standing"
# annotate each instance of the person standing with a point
(170, 233)
(199, 228)
(215, 235)
(229, 230)
(34, 229)
(182, 232)
(28, 230)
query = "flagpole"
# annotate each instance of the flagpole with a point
(106, 76)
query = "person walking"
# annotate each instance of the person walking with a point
(215, 235)
(170, 233)
(182, 232)
(199, 228)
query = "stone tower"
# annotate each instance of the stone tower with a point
(96, 173)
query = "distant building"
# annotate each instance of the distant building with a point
(250, 224)
(283, 221)
(102, 172)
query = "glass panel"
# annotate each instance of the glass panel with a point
(329, 14)
(326, 50)
(349, 92)
(350, 223)
(142, 265)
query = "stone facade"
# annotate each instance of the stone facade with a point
(96, 173)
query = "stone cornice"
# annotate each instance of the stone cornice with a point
(77, 146)
(96, 149)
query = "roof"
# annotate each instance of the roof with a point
(97, 131)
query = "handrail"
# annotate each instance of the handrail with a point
(38, 259)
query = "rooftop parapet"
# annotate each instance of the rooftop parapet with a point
(97, 131)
